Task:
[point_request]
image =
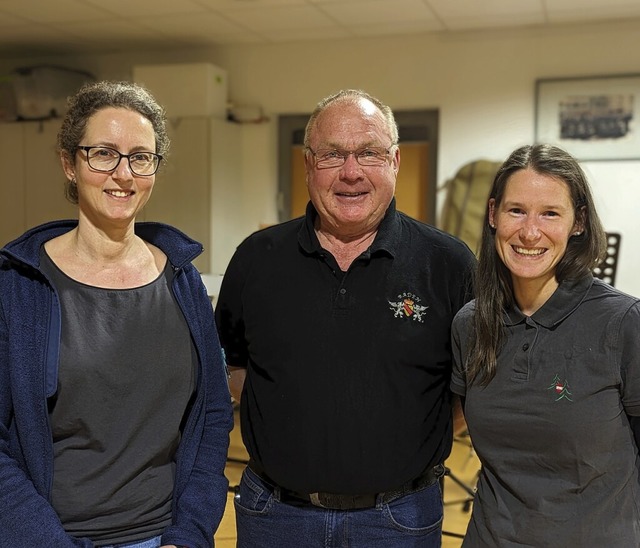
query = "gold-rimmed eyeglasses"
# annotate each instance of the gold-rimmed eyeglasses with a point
(366, 156)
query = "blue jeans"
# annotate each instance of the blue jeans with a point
(263, 521)
(149, 543)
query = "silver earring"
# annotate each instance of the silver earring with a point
(577, 233)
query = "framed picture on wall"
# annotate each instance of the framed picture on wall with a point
(593, 118)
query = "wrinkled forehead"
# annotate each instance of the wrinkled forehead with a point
(356, 120)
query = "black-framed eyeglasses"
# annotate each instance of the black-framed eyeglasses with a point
(366, 156)
(107, 159)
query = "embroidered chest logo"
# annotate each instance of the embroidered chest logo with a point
(560, 389)
(407, 307)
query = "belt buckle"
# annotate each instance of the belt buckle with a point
(314, 498)
(331, 501)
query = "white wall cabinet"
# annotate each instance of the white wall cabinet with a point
(12, 183)
(228, 207)
(32, 180)
(181, 194)
(198, 189)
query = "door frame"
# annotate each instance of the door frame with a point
(413, 125)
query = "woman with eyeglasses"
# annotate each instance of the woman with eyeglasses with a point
(114, 405)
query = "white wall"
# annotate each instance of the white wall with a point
(482, 82)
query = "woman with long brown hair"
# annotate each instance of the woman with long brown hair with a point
(547, 363)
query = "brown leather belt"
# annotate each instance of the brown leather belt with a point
(334, 501)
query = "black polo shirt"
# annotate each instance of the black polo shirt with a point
(348, 372)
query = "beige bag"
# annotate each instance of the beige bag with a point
(466, 201)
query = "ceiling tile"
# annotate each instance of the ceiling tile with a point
(148, 8)
(399, 28)
(7, 19)
(114, 25)
(182, 25)
(219, 39)
(560, 11)
(56, 11)
(294, 35)
(377, 12)
(115, 35)
(487, 8)
(473, 14)
(281, 18)
(30, 33)
(234, 5)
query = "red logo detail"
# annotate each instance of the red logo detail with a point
(407, 306)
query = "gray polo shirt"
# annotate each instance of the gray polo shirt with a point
(559, 461)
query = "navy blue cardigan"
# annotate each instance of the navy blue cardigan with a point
(29, 341)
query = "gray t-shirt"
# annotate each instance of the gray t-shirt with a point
(125, 378)
(559, 460)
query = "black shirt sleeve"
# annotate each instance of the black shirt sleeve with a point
(229, 310)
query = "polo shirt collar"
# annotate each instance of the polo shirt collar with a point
(565, 299)
(386, 240)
